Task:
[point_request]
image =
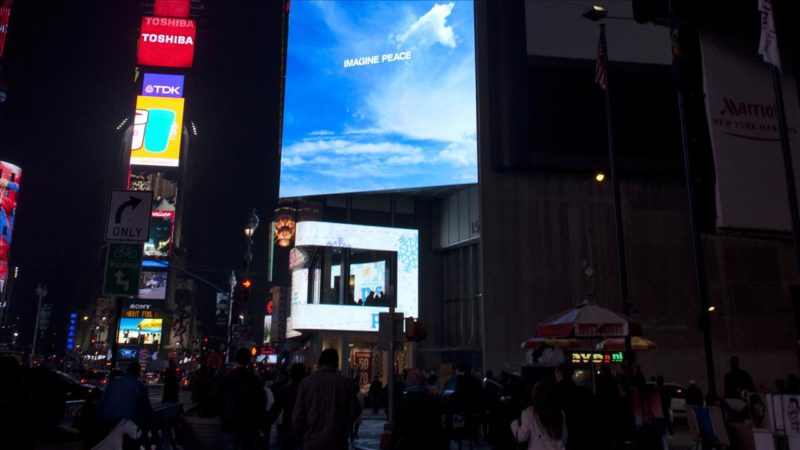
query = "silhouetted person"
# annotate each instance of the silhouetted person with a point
(694, 396)
(637, 377)
(242, 401)
(326, 407)
(418, 422)
(204, 387)
(737, 380)
(370, 301)
(170, 383)
(125, 398)
(611, 411)
(542, 423)
(17, 417)
(283, 409)
(579, 410)
(375, 391)
(793, 385)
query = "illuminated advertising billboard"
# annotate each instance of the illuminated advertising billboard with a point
(5, 15)
(10, 176)
(172, 8)
(152, 285)
(166, 42)
(162, 85)
(163, 186)
(157, 131)
(139, 331)
(159, 246)
(366, 291)
(380, 95)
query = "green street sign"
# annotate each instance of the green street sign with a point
(123, 262)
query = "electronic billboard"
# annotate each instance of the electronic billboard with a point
(368, 284)
(157, 130)
(10, 177)
(141, 331)
(380, 95)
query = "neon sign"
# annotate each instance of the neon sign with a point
(597, 358)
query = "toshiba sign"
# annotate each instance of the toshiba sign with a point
(166, 42)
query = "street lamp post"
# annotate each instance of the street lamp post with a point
(232, 284)
(41, 292)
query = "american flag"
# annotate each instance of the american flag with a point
(601, 68)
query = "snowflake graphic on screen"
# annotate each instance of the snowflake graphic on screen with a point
(407, 253)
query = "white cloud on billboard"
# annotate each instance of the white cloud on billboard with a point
(431, 27)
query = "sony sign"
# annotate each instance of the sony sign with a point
(162, 85)
(140, 306)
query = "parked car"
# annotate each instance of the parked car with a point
(98, 378)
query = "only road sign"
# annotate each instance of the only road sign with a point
(129, 216)
(123, 262)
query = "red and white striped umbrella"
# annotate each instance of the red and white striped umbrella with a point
(588, 320)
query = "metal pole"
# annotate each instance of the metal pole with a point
(232, 282)
(788, 166)
(40, 292)
(392, 302)
(622, 264)
(704, 320)
(115, 336)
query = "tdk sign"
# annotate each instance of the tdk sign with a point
(161, 85)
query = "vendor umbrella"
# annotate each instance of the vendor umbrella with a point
(638, 343)
(536, 342)
(588, 321)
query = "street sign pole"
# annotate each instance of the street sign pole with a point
(114, 339)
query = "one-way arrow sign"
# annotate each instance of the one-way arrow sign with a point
(129, 216)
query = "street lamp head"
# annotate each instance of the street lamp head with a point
(251, 224)
(232, 280)
(595, 13)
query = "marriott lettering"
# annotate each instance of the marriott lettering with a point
(733, 108)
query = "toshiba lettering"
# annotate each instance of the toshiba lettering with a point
(167, 39)
(169, 22)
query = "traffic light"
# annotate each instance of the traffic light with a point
(245, 291)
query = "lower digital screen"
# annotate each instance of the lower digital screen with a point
(346, 287)
(139, 331)
(127, 354)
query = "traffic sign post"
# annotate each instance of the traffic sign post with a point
(123, 262)
(129, 216)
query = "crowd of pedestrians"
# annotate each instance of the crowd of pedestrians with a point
(323, 409)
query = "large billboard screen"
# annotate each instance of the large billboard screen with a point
(166, 42)
(157, 131)
(10, 176)
(5, 15)
(139, 331)
(367, 290)
(380, 95)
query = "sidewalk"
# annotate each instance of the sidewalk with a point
(369, 436)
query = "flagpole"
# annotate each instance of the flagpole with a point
(788, 165)
(618, 229)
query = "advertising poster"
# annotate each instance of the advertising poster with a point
(221, 311)
(157, 129)
(362, 361)
(152, 285)
(164, 188)
(380, 95)
(759, 409)
(139, 331)
(743, 124)
(166, 42)
(791, 414)
(10, 176)
(159, 246)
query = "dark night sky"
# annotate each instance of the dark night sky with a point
(69, 67)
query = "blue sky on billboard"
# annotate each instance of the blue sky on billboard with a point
(379, 96)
